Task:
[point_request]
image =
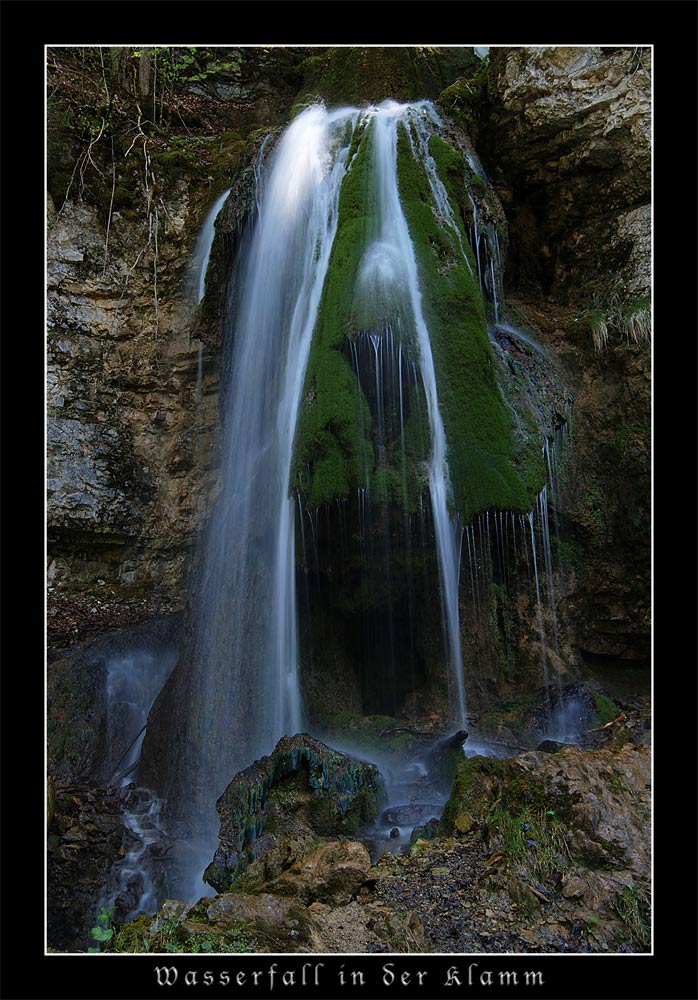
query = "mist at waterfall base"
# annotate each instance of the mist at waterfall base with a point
(237, 687)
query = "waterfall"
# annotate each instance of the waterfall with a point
(133, 682)
(390, 259)
(204, 244)
(236, 690)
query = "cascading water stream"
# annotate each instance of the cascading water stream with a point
(133, 682)
(419, 140)
(396, 247)
(237, 688)
(204, 243)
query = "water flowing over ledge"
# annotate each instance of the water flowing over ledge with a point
(237, 688)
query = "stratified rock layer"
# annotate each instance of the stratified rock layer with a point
(568, 134)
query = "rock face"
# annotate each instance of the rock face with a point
(565, 135)
(604, 488)
(569, 132)
(85, 838)
(606, 501)
(342, 76)
(303, 792)
(77, 717)
(129, 464)
(133, 362)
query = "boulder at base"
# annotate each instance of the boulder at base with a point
(287, 803)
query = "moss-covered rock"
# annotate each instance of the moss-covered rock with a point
(303, 789)
(333, 440)
(335, 450)
(482, 457)
(574, 807)
(370, 75)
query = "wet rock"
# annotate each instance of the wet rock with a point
(550, 746)
(85, 839)
(303, 791)
(600, 798)
(408, 814)
(441, 759)
(426, 831)
(333, 873)
(77, 717)
(567, 712)
(84, 743)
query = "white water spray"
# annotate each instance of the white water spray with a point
(244, 661)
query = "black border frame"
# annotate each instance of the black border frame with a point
(670, 26)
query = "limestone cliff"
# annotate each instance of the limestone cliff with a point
(133, 364)
(565, 133)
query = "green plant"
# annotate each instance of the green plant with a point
(616, 780)
(633, 907)
(535, 836)
(606, 710)
(632, 321)
(103, 930)
(186, 63)
(142, 935)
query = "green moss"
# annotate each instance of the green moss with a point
(606, 710)
(170, 164)
(466, 95)
(503, 798)
(490, 467)
(370, 75)
(482, 456)
(137, 937)
(473, 776)
(333, 440)
(452, 170)
(124, 198)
